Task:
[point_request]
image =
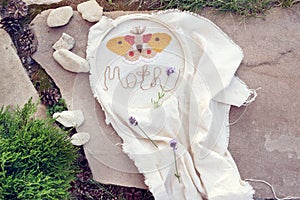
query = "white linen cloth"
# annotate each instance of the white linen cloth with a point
(194, 109)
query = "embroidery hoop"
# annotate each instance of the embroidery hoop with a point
(149, 17)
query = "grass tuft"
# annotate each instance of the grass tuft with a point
(247, 8)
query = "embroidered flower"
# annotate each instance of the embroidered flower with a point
(170, 70)
(134, 122)
(173, 144)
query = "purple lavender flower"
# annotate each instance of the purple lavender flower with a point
(173, 144)
(133, 121)
(170, 70)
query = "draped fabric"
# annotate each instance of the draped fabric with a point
(174, 73)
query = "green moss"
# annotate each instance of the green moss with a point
(37, 160)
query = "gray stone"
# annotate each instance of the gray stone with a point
(41, 112)
(15, 86)
(271, 48)
(70, 61)
(65, 42)
(75, 89)
(73, 118)
(90, 10)
(60, 16)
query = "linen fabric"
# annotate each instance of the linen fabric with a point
(130, 59)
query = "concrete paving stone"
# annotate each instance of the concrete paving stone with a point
(265, 142)
(258, 141)
(15, 85)
(107, 161)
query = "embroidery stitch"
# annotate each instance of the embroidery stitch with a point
(133, 47)
(131, 79)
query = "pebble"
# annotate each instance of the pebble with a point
(90, 11)
(40, 2)
(70, 61)
(80, 138)
(60, 16)
(69, 118)
(65, 42)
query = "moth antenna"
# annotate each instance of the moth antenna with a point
(142, 30)
(138, 30)
(134, 31)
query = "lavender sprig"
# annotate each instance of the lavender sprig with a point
(160, 95)
(134, 122)
(173, 144)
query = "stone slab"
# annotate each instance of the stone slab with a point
(15, 85)
(107, 161)
(258, 140)
(265, 142)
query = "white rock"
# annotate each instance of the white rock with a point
(80, 138)
(39, 2)
(69, 118)
(60, 16)
(65, 42)
(90, 11)
(70, 61)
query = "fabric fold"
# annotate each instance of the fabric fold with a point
(174, 73)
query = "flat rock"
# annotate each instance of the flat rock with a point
(15, 86)
(70, 61)
(80, 138)
(75, 89)
(72, 118)
(65, 42)
(90, 10)
(271, 48)
(40, 2)
(60, 16)
(259, 140)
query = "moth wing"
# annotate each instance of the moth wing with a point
(147, 38)
(118, 45)
(132, 55)
(159, 41)
(148, 53)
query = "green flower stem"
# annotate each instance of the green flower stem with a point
(176, 168)
(160, 95)
(147, 136)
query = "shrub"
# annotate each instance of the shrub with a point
(37, 160)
